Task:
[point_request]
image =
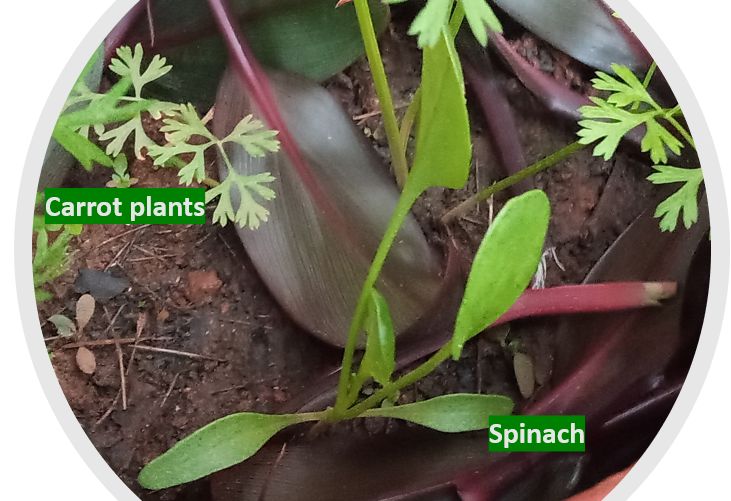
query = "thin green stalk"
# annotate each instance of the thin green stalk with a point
(686, 135)
(373, 53)
(455, 23)
(646, 82)
(407, 199)
(650, 74)
(407, 123)
(406, 380)
(507, 182)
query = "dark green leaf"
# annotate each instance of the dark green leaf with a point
(505, 262)
(221, 444)
(379, 359)
(450, 413)
(443, 145)
(308, 37)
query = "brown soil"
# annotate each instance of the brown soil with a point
(194, 286)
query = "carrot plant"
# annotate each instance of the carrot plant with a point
(116, 118)
(627, 107)
(503, 267)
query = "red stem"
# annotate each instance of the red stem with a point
(593, 298)
(553, 301)
(499, 119)
(554, 95)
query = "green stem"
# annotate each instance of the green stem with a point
(407, 123)
(650, 74)
(373, 53)
(646, 83)
(507, 182)
(686, 135)
(407, 199)
(455, 23)
(306, 417)
(406, 380)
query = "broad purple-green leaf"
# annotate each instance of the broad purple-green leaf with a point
(308, 37)
(584, 29)
(504, 265)
(313, 261)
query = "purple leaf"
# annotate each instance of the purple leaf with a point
(316, 248)
(584, 29)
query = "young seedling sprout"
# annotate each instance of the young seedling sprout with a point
(502, 268)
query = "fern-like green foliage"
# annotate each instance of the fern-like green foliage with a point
(627, 106)
(116, 118)
(684, 201)
(51, 258)
(434, 17)
(255, 138)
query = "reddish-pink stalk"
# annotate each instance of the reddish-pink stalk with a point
(253, 75)
(591, 298)
(557, 97)
(563, 300)
(500, 121)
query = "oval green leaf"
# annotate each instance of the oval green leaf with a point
(443, 145)
(219, 445)
(505, 262)
(449, 413)
(379, 359)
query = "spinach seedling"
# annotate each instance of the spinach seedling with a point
(503, 267)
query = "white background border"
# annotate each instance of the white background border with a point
(38, 40)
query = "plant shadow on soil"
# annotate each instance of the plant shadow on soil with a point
(195, 286)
